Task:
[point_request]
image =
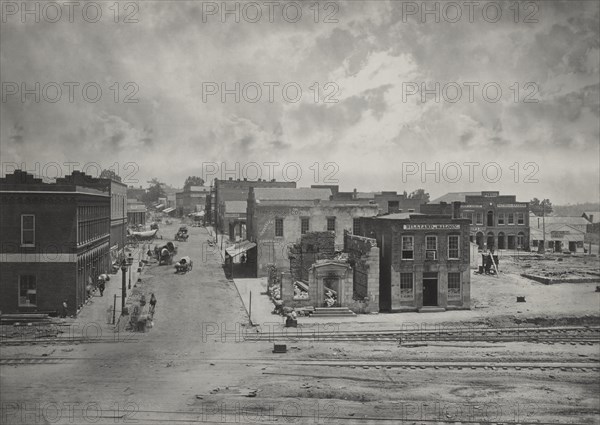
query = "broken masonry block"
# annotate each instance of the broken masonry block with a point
(279, 348)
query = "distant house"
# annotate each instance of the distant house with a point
(592, 216)
(537, 222)
(191, 199)
(136, 212)
(559, 237)
(497, 221)
(388, 202)
(237, 190)
(234, 219)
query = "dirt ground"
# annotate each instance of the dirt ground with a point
(188, 369)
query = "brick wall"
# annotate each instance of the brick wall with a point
(51, 279)
(363, 256)
(313, 246)
(273, 249)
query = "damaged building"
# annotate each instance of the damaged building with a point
(327, 281)
(278, 217)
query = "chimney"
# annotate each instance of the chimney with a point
(354, 194)
(456, 209)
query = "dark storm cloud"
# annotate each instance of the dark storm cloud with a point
(369, 53)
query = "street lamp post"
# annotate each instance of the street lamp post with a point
(123, 285)
(129, 263)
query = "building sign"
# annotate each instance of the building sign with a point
(512, 205)
(558, 234)
(471, 206)
(431, 227)
(477, 229)
(490, 194)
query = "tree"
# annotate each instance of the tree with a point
(540, 208)
(193, 181)
(110, 174)
(419, 194)
(154, 191)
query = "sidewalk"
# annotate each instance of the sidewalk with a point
(222, 241)
(261, 304)
(94, 320)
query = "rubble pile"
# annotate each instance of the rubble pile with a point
(300, 291)
(330, 297)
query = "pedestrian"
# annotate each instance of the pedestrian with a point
(152, 303)
(101, 287)
(64, 309)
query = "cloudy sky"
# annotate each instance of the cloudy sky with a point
(518, 93)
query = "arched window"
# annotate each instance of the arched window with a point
(490, 218)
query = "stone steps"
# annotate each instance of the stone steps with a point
(431, 309)
(332, 312)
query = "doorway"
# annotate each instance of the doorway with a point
(501, 241)
(430, 290)
(490, 241)
(479, 240)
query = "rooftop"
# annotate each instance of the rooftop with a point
(398, 216)
(570, 220)
(594, 215)
(453, 197)
(291, 194)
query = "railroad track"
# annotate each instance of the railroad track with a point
(125, 338)
(591, 366)
(563, 335)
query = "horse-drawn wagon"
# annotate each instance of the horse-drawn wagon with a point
(184, 265)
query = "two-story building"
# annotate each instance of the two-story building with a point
(388, 202)
(278, 217)
(424, 261)
(237, 190)
(118, 216)
(497, 221)
(191, 199)
(136, 213)
(54, 238)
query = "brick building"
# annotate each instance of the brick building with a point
(136, 213)
(136, 193)
(234, 219)
(191, 199)
(237, 190)
(118, 216)
(389, 202)
(497, 221)
(54, 237)
(278, 217)
(424, 261)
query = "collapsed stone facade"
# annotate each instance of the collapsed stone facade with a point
(352, 276)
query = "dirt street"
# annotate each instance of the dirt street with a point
(191, 367)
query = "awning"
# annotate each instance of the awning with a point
(168, 210)
(239, 248)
